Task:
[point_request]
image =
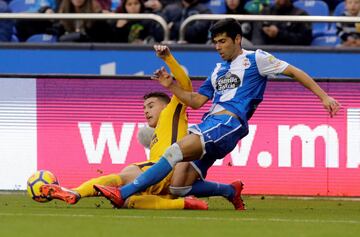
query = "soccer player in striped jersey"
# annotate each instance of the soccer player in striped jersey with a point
(168, 118)
(236, 88)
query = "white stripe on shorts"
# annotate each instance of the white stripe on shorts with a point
(197, 132)
(228, 133)
(219, 125)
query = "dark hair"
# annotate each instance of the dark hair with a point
(230, 26)
(157, 94)
(122, 9)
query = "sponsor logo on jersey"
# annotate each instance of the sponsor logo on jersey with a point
(228, 81)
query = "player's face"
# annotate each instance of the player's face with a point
(228, 48)
(152, 109)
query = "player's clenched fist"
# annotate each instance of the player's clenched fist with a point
(162, 51)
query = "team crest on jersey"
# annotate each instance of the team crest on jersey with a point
(246, 63)
(228, 81)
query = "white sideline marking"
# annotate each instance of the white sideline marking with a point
(188, 217)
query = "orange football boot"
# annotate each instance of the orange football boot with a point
(237, 200)
(192, 203)
(53, 191)
(111, 193)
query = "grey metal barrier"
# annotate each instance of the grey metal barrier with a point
(90, 16)
(207, 17)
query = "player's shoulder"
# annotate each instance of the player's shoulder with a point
(256, 51)
(174, 101)
(217, 67)
(254, 54)
(170, 108)
(247, 52)
(261, 53)
(261, 56)
(246, 55)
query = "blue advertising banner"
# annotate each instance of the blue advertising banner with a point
(132, 61)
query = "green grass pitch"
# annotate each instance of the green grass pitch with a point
(266, 216)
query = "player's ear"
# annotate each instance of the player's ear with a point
(238, 39)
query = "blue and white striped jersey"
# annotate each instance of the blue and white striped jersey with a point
(238, 86)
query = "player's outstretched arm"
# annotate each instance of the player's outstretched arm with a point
(330, 104)
(163, 52)
(192, 99)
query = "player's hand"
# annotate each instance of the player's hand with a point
(163, 77)
(162, 51)
(331, 105)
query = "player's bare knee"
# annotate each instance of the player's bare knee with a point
(129, 173)
(184, 175)
(173, 154)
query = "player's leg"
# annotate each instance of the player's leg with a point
(216, 136)
(162, 202)
(189, 179)
(195, 184)
(86, 189)
(72, 196)
(198, 186)
(127, 175)
(184, 174)
(157, 196)
(190, 147)
(218, 142)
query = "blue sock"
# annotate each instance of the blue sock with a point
(203, 188)
(151, 176)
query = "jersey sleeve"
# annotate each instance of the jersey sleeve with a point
(207, 88)
(180, 75)
(269, 65)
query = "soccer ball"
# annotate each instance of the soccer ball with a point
(38, 179)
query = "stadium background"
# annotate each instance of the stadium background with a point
(80, 126)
